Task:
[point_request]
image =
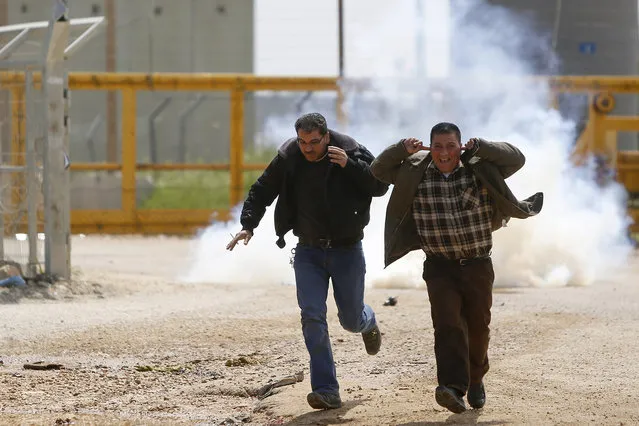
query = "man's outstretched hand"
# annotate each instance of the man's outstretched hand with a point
(242, 235)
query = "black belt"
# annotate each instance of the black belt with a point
(462, 262)
(328, 242)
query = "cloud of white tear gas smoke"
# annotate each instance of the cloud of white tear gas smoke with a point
(580, 234)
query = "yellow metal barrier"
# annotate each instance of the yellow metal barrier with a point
(628, 173)
(599, 136)
(129, 219)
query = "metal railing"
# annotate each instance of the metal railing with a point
(130, 219)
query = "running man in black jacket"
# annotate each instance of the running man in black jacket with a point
(325, 188)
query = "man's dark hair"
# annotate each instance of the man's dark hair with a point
(310, 122)
(444, 129)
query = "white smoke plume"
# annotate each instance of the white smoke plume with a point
(581, 233)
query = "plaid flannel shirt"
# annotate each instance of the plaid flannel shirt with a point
(453, 214)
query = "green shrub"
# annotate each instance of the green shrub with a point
(199, 189)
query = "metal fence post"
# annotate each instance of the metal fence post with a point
(56, 174)
(236, 161)
(32, 184)
(129, 151)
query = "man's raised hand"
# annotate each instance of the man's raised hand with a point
(470, 144)
(338, 156)
(414, 145)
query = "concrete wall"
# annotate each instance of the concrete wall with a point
(593, 37)
(152, 36)
(160, 36)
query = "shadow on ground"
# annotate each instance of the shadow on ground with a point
(325, 417)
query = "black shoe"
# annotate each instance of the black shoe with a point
(324, 401)
(476, 395)
(450, 398)
(372, 340)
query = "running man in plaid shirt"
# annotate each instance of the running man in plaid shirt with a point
(447, 200)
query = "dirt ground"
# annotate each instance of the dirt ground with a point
(137, 347)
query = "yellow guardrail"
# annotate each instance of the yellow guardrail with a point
(129, 219)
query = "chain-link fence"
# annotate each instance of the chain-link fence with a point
(21, 166)
(34, 177)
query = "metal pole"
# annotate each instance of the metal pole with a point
(4, 135)
(419, 42)
(90, 137)
(129, 151)
(32, 186)
(56, 173)
(237, 147)
(183, 117)
(153, 143)
(555, 31)
(192, 37)
(341, 115)
(340, 35)
(5, 108)
(111, 65)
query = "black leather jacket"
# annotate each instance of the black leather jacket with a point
(349, 190)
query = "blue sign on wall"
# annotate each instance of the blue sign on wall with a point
(587, 47)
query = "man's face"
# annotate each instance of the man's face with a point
(312, 144)
(446, 150)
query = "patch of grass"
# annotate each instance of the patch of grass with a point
(199, 189)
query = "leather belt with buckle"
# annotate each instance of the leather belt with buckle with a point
(326, 243)
(461, 262)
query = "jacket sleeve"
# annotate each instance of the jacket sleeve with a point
(262, 194)
(508, 158)
(358, 168)
(387, 164)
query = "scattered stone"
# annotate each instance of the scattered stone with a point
(391, 301)
(241, 361)
(41, 365)
(237, 420)
(163, 368)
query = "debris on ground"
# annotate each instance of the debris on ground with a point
(267, 390)
(391, 301)
(241, 361)
(41, 365)
(11, 274)
(13, 281)
(163, 368)
(47, 287)
(237, 420)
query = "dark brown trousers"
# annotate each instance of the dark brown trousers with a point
(460, 301)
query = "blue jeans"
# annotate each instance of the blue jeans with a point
(346, 267)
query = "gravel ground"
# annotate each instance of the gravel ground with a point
(138, 347)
